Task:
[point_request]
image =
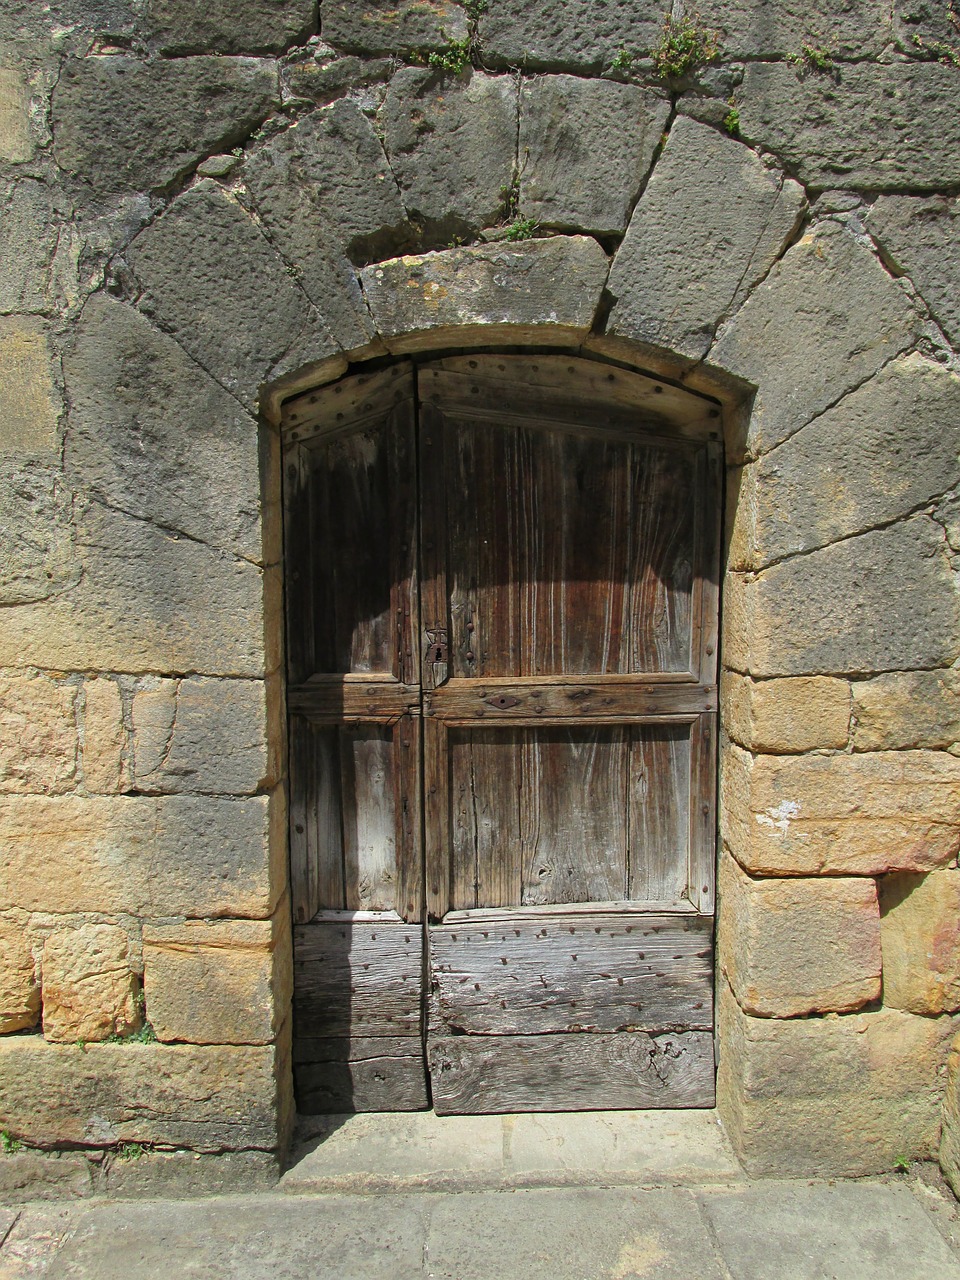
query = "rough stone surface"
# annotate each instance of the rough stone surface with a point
(104, 737)
(392, 26)
(798, 946)
(228, 26)
(38, 557)
(210, 1097)
(907, 709)
(29, 403)
(451, 142)
(171, 1174)
(555, 283)
(923, 27)
(261, 315)
(88, 987)
(921, 942)
(840, 814)
(836, 1096)
(41, 1175)
(950, 1146)
(28, 238)
(19, 983)
(889, 127)
(709, 225)
(920, 237)
(38, 735)
(786, 716)
(126, 125)
(828, 295)
(186, 855)
(844, 28)
(16, 136)
(244, 962)
(323, 81)
(879, 601)
(885, 450)
(152, 434)
(567, 35)
(571, 131)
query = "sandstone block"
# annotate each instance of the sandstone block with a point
(921, 942)
(19, 984)
(786, 716)
(825, 319)
(228, 26)
(950, 1145)
(171, 1175)
(567, 35)
(709, 225)
(29, 402)
(194, 856)
(875, 127)
(392, 26)
(211, 1098)
(16, 136)
(153, 710)
(553, 284)
(28, 238)
(798, 946)
(907, 709)
(149, 429)
(44, 1175)
(224, 982)
(842, 1096)
(920, 236)
(260, 315)
(879, 601)
(127, 125)
(840, 814)
(38, 735)
(883, 451)
(571, 130)
(104, 737)
(88, 987)
(778, 27)
(452, 144)
(38, 557)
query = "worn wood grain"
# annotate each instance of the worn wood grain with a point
(367, 1073)
(485, 790)
(349, 699)
(481, 1075)
(341, 405)
(659, 790)
(612, 698)
(369, 819)
(316, 846)
(572, 973)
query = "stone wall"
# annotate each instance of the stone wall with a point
(205, 207)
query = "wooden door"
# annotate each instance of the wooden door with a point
(561, 709)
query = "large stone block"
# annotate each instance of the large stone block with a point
(840, 814)
(38, 556)
(210, 1097)
(16, 136)
(87, 983)
(127, 125)
(923, 27)
(29, 402)
(875, 127)
(921, 942)
(19, 981)
(907, 709)
(38, 735)
(567, 35)
(826, 318)
(572, 130)
(709, 225)
(452, 143)
(152, 434)
(218, 983)
(104, 737)
(28, 239)
(844, 28)
(194, 856)
(236, 311)
(787, 716)
(392, 26)
(551, 287)
(227, 26)
(886, 449)
(797, 946)
(920, 236)
(876, 602)
(950, 1145)
(842, 1096)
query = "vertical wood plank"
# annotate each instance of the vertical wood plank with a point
(659, 797)
(485, 818)
(316, 857)
(703, 812)
(369, 818)
(436, 818)
(403, 535)
(408, 803)
(298, 575)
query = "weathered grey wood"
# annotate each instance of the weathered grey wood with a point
(703, 813)
(659, 816)
(619, 699)
(368, 800)
(340, 699)
(485, 783)
(489, 1074)
(571, 972)
(383, 1073)
(316, 850)
(357, 979)
(340, 406)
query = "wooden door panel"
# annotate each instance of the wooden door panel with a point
(658, 799)
(367, 1073)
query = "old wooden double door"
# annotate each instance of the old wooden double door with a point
(501, 630)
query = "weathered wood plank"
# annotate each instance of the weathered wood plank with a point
(659, 800)
(611, 698)
(331, 409)
(316, 847)
(703, 812)
(367, 1073)
(368, 796)
(485, 819)
(572, 972)
(478, 1075)
(341, 699)
(408, 803)
(354, 979)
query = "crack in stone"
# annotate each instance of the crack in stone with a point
(173, 530)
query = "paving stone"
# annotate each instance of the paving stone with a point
(260, 316)
(567, 35)
(843, 28)
(907, 709)
(38, 735)
(104, 737)
(875, 127)
(87, 983)
(709, 225)
(451, 141)
(876, 602)
(787, 716)
(886, 449)
(921, 942)
(825, 319)
(29, 401)
(38, 558)
(392, 26)
(571, 131)
(149, 429)
(16, 136)
(840, 814)
(228, 26)
(126, 125)
(28, 238)
(920, 236)
(19, 981)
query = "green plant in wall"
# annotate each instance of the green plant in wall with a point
(685, 47)
(453, 59)
(939, 50)
(812, 57)
(130, 1151)
(623, 61)
(522, 229)
(731, 121)
(9, 1145)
